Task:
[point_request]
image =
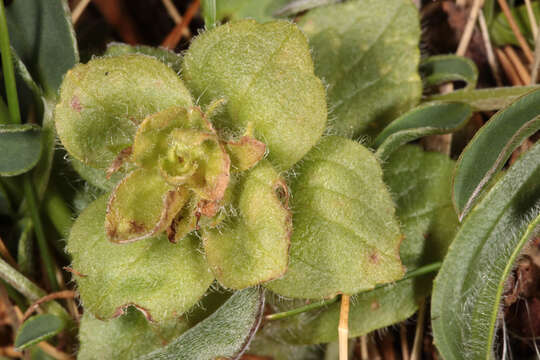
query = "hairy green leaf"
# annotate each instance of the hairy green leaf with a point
(125, 337)
(38, 328)
(420, 183)
(265, 74)
(252, 245)
(162, 279)
(346, 237)
(168, 57)
(501, 32)
(427, 119)
(492, 145)
(20, 146)
(111, 96)
(367, 53)
(132, 335)
(43, 37)
(440, 69)
(467, 293)
(225, 333)
(260, 10)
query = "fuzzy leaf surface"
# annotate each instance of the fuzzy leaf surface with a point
(265, 73)
(224, 334)
(112, 96)
(468, 289)
(491, 146)
(20, 146)
(367, 53)
(172, 59)
(420, 183)
(132, 335)
(161, 278)
(252, 246)
(346, 237)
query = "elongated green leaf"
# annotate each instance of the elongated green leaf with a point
(170, 58)
(492, 145)
(420, 183)
(162, 279)
(265, 73)
(486, 99)
(43, 37)
(225, 333)
(346, 237)
(20, 148)
(501, 32)
(260, 10)
(125, 337)
(252, 246)
(209, 13)
(367, 53)
(112, 96)
(132, 335)
(5, 203)
(38, 328)
(437, 70)
(468, 289)
(427, 119)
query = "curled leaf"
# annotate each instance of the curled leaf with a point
(162, 279)
(440, 69)
(251, 246)
(246, 152)
(142, 205)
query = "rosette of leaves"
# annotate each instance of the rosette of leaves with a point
(198, 191)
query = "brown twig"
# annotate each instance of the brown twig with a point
(536, 62)
(115, 14)
(10, 351)
(6, 255)
(518, 65)
(343, 328)
(419, 333)
(515, 29)
(174, 37)
(532, 18)
(404, 342)
(469, 28)
(79, 9)
(509, 70)
(364, 351)
(492, 61)
(64, 294)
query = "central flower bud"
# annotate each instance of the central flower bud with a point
(183, 171)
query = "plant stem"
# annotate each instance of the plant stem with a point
(209, 11)
(286, 314)
(40, 234)
(343, 328)
(13, 106)
(28, 288)
(412, 274)
(7, 66)
(58, 211)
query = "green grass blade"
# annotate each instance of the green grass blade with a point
(468, 289)
(492, 145)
